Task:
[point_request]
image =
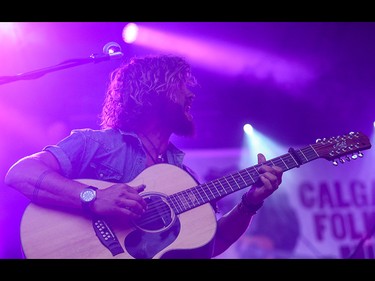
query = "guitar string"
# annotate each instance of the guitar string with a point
(154, 205)
(307, 151)
(228, 179)
(152, 216)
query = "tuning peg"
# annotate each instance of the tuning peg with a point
(351, 135)
(360, 154)
(347, 158)
(335, 163)
(342, 160)
(354, 156)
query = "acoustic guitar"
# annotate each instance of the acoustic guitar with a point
(180, 220)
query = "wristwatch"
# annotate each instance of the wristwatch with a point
(88, 196)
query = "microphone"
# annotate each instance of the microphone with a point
(111, 50)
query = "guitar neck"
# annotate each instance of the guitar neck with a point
(330, 149)
(221, 187)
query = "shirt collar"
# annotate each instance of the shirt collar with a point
(171, 147)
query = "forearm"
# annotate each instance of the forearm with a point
(43, 184)
(232, 226)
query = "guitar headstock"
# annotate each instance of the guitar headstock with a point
(348, 146)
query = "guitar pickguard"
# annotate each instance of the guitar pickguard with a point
(145, 245)
(156, 229)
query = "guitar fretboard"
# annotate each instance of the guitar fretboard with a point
(201, 194)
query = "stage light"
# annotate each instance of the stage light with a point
(130, 33)
(248, 129)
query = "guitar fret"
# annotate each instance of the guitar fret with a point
(247, 172)
(304, 155)
(291, 157)
(213, 190)
(275, 162)
(311, 152)
(234, 179)
(255, 175)
(313, 149)
(185, 203)
(242, 178)
(221, 187)
(191, 198)
(176, 200)
(171, 203)
(207, 191)
(173, 199)
(200, 195)
(228, 184)
(282, 164)
(285, 164)
(207, 197)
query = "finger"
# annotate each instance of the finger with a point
(136, 198)
(134, 189)
(132, 206)
(279, 173)
(129, 212)
(270, 169)
(273, 179)
(266, 179)
(140, 188)
(261, 158)
(275, 170)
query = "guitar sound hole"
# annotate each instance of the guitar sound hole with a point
(158, 216)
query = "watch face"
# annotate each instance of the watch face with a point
(88, 195)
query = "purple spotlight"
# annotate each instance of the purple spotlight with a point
(130, 33)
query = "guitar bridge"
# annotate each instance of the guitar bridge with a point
(107, 237)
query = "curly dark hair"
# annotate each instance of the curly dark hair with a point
(135, 87)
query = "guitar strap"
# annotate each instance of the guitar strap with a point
(106, 236)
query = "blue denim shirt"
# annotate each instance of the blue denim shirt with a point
(108, 155)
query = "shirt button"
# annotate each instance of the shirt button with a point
(101, 175)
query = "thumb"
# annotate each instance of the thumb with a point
(140, 188)
(261, 158)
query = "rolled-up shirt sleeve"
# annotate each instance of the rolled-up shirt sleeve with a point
(69, 153)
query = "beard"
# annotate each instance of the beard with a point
(179, 120)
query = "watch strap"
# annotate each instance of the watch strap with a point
(86, 206)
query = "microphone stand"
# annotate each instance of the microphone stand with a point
(94, 58)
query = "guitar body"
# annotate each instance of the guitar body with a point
(61, 234)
